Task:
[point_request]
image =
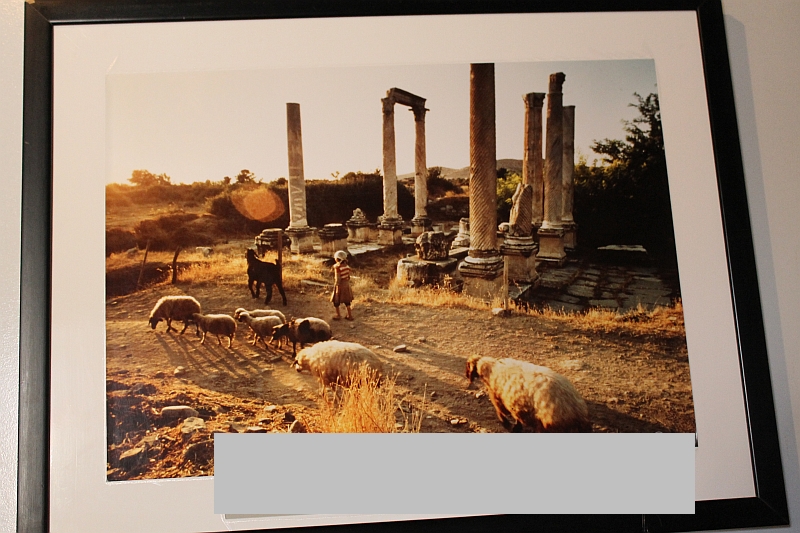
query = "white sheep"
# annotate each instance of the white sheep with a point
(205, 250)
(260, 312)
(218, 325)
(524, 394)
(303, 330)
(171, 308)
(333, 362)
(261, 326)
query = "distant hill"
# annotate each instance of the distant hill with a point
(456, 173)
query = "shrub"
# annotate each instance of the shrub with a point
(119, 240)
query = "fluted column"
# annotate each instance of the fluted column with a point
(389, 162)
(555, 153)
(390, 224)
(532, 163)
(420, 222)
(551, 234)
(298, 230)
(482, 268)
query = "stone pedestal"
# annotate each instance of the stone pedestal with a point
(416, 272)
(462, 239)
(551, 246)
(333, 238)
(302, 239)
(268, 240)
(419, 225)
(483, 276)
(570, 235)
(358, 227)
(390, 232)
(520, 254)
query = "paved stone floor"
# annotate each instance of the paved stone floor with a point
(581, 284)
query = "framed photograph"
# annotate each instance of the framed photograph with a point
(566, 190)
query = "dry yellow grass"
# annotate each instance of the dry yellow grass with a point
(363, 407)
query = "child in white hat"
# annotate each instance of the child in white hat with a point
(342, 293)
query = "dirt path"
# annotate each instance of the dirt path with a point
(632, 381)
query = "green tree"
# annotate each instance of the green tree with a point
(624, 199)
(507, 181)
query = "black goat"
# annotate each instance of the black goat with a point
(259, 272)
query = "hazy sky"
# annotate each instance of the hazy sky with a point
(206, 125)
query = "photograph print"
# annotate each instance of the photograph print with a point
(455, 248)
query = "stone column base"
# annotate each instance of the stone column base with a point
(570, 237)
(551, 246)
(416, 271)
(420, 225)
(302, 239)
(390, 232)
(483, 276)
(358, 231)
(520, 254)
(333, 238)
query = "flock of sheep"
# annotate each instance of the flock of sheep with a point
(523, 394)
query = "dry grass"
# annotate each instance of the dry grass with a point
(663, 320)
(366, 407)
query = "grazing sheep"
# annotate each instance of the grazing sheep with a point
(259, 312)
(524, 394)
(333, 362)
(205, 250)
(261, 326)
(171, 308)
(223, 325)
(259, 272)
(302, 330)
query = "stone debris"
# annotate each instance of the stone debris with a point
(479, 395)
(297, 427)
(132, 457)
(288, 416)
(458, 421)
(179, 371)
(401, 348)
(192, 424)
(271, 408)
(236, 428)
(501, 312)
(255, 429)
(178, 411)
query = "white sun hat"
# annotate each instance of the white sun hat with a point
(341, 255)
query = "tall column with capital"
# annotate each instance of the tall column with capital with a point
(390, 227)
(551, 235)
(420, 222)
(532, 162)
(568, 178)
(482, 269)
(301, 235)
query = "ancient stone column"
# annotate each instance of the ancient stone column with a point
(390, 227)
(551, 235)
(568, 178)
(420, 223)
(532, 163)
(482, 269)
(299, 232)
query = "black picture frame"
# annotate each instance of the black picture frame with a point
(767, 508)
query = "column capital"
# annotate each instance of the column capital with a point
(556, 82)
(388, 106)
(533, 99)
(419, 113)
